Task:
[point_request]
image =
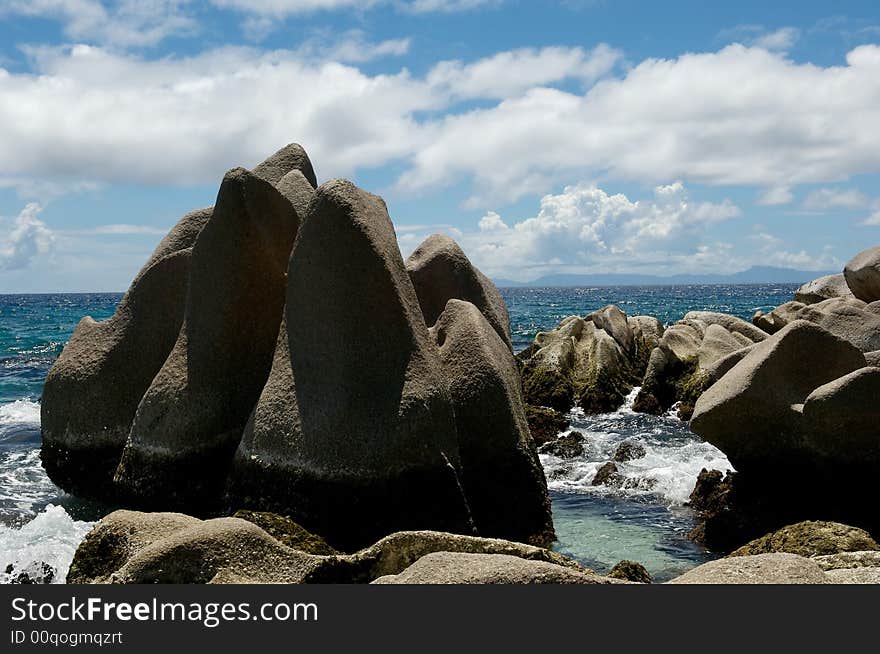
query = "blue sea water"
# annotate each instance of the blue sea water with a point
(647, 523)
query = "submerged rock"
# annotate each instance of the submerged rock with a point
(567, 446)
(93, 389)
(545, 424)
(631, 571)
(189, 421)
(312, 450)
(629, 451)
(608, 475)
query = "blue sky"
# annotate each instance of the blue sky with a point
(570, 136)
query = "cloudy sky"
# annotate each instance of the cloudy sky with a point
(569, 136)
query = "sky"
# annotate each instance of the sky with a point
(577, 136)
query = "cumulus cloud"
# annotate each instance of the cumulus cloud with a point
(588, 228)
(119, 22)
(23, 238)
(824, 199)
(776, 196)
(740, 116)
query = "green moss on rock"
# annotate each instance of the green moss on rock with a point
(547, 388)
(631, 571)
(287, 532)
(811, 539)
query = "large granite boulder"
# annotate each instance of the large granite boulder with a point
(93, 389)
(811, 538)
(754, 413)
(190, 420)
(289, 158)
(440, 271)
(592, 362)
(129, 547)
(501, 474)
(823, 288)
(843, 418)
(360, 439)
(863, 275)
(462, 568)
(778, 318)
(758, 569)
(847, 320)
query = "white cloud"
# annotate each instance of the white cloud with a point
(121, 22)
(740, 116)
(281, 8)
(351, 47)
(824, 199)
(23, 238)
(776, 196)
(780, 40)
(586, 227)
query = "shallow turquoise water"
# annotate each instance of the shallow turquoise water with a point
(647, 523)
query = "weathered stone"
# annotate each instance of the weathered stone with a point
(93, 389)
(629, 451)
(811, 539)
(287, 532)
(863, 275)
(760, 569)
(823, 288)
(732, 324)
(631, 571)
(313, 451)
(460, 568)
(567, 446)
(440, 271)
(753, 412)
(859, 327)
(502, 477)
(545, 424)
(190, 419)
(608, 475)
(290, 157)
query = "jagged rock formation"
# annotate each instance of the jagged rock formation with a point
(592, 362)
(274, 354)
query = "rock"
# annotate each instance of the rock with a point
(843, 418)
(717, 344)
(93, 389)
(38, 572)
(859, 327)
(364, 442)
(766, 322)
(646, 328)
(848, 560)
(823, 288)
(502, 477)
(631, 571)
(863, 275)
(287, 532)
(811, 539)
(440, 271)
(873, 307)
(545, 387)
(608, 475)
(616, 324)
(190, 420)
(296, 188)
(869, 576)
(732, 324)
(290, 157)
(459, 568)
(873, 358)
(629, 451)
(753, 412)
(545, 424)
(133, 547)
(567, 446)
(760, 569)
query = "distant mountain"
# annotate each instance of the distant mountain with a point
(754, 275)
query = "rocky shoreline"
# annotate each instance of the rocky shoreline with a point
(277, 359)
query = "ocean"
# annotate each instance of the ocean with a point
(40, 524)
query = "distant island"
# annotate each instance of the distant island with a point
(754, 275)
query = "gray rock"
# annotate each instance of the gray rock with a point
(440, 271)
(873, 358)
(732, 324)
(615, 323)
(873, 307)
(502, 477)
(362, 442)
(296, 188)
(290, 157)
(823, 288)
(566, 446)
(717, 344)
(458, 568)
(844, 560)
(608, 475)
(843, 417)
(859, 327)
(753, 412)
(760, 569)
(648, 328)
(870, 576)
(863, 275)
(190, 420)
(629, 451)
(93, 389)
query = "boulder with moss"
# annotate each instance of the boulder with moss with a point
(811, 538)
